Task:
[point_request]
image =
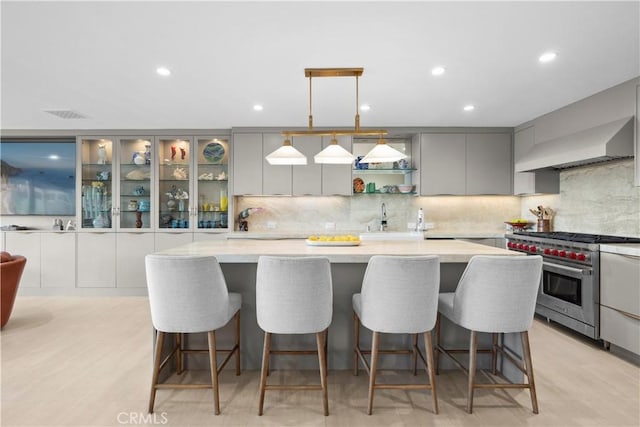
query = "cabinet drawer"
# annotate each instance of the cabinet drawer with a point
(620, 282)
(620, 329)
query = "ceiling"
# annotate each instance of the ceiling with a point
(99, 60)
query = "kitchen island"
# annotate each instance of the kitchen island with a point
(238, 259)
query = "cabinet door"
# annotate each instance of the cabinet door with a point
(443, 164)
(247, 164)
(174, 189)
(96, 260)
(97, 156)
(489, 163)
(276, 179)
(336, 179)
(307, 179)
(58, 260)
(211, 206)
(171, 240)
(28, 245)
(135, 177)
(131, 249)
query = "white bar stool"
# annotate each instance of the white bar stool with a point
(399, 296)
(188, 294)
(294, 295)
(496, 294)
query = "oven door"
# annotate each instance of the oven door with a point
(569, 290)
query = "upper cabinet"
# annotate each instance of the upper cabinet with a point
(115, 185)
(193, 178)
(253, 175)
(543, 181)
(465, 163)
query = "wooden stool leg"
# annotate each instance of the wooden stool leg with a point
(373, 369)
(428, 347)
(156, 369)
(494, 353)
(214, 370)
(322, 361)
(473, 346)
(415, 354)
(356, 342)
(437, 355)
(237, 333)
(265, 368)
(179, 354)
(326, 353)
(529, 367)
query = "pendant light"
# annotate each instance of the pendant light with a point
(383, 152)
(286, 155)
(334, 154)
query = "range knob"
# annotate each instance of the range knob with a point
(533, 249)
(562, 254)
(581, 257)
(573, 255)
(547, 251)
(526, 247)
(520, 245)
(511, 245)
(554, 252)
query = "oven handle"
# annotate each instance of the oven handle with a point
(577, 272)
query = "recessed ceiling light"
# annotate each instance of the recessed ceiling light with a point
(469, 107)
(54, 156)
(547, 57)
(163, 71)
(437, 71)
(257, 107)
(365, 107)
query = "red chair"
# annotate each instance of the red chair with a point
(11, 267)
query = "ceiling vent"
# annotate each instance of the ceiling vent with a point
(66, 114)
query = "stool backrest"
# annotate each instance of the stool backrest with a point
(498, 293)
(186, 293)
(400, 293)
(294, 295)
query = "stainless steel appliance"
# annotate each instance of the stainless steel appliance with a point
(570, 289)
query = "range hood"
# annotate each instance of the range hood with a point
(609, 141)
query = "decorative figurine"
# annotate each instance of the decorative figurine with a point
(102, 154)
(183, 153)
(173, 152)
(138, 219)
(147, 153)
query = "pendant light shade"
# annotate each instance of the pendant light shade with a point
(286, 155)
(334, 154)
(383, 152)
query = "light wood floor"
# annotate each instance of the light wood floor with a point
(87, 362)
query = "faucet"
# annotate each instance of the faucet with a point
(383, 218)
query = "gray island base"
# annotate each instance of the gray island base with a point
(238, 259)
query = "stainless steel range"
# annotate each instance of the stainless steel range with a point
(570, 289)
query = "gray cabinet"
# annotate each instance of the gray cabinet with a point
(637, 150)
(443, 164)
(307, 179)
(489, 166)
(96, 260)
(336, 179)
(544, 181)
(58, 259)
(131, 248)
(620, 300)
(465, 163)
(276, 179)
(247, 164)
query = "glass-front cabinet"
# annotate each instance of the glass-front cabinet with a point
(115, 188)
(193, 182)
(96, 184)
(135, 175)
(174, 187)
(211, 208)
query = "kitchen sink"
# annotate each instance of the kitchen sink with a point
(392, 235)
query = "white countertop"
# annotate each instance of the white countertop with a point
(632, 249)
(248, 251)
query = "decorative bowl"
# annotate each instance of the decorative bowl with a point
(405, 188)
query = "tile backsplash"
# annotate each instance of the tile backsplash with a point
(597, 199)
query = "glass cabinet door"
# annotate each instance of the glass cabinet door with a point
(212, 163)
(96, 164)
(174, 190)
(135, 178)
